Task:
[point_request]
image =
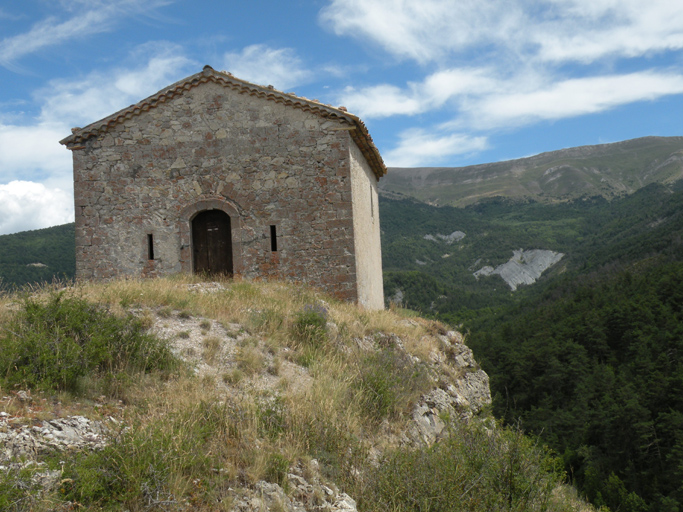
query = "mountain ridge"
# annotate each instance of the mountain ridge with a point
(607, 170)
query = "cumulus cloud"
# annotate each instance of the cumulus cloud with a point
(419, 147)
(91, 18)
(31, 152)
(261, 64)
(26, 205)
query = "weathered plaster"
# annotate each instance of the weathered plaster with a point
(366, 232)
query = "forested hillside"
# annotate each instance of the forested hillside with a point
(37, 256)
(595, 367)
(590, 357)
(436, 277)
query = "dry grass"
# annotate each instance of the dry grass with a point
(212, 347)
(251, 432)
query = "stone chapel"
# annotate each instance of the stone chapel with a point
(214, 174)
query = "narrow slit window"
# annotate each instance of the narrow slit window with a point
(150, 247)
(273, 239)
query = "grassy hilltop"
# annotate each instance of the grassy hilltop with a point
(251, 396)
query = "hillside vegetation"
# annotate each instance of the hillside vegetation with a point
(249, 396)
(437, 277)
(37, 256)
(606, 170)
(591, 356)
(595, 366)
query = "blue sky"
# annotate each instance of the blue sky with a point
(438, 82)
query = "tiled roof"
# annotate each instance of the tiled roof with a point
(359, 133)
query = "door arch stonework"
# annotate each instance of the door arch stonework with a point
(186, 216)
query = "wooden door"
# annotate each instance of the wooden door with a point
(212, 242)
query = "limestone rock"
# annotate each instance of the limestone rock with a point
(304, 496)
(525, 267)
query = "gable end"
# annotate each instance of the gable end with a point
(358, 131)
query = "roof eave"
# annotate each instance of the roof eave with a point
(360, 135)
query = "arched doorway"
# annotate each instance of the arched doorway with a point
(212, 242)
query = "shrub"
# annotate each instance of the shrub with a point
(310, 325)
(53, 345)
(390, 383)
(474, 469)
(153, 464)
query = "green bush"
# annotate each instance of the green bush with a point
(310, 325)
(474, 469)
(155, 465)
(390, 383)
(55, 344)
(277, 469)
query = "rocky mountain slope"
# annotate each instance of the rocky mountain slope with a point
(525, 267)
(607, 170)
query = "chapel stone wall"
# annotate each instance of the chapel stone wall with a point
(264, 163)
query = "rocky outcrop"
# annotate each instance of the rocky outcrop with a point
(525, 267)
(455, 236)
(21, 441)
(22, 444)
(305, 494)
(462, 398)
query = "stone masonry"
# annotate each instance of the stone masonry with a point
(297, 179)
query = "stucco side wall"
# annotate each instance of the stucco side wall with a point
(262, 162)
(368, 248)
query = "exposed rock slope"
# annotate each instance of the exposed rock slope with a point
(525, 267)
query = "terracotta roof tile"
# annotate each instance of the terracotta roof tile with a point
(359, 134)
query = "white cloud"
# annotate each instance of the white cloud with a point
(570, 98)
(586, 31)
(27, 205)
(94, 17)
(424, 30)
(419, 148)
(99, 94)
(546, 30)
(260, 64)
(381, 101)
(33, 151)
(481, 99)
(433, 93)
